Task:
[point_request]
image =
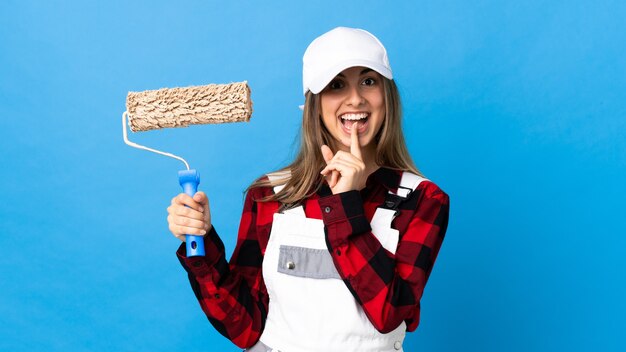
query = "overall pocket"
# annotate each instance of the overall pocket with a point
(306, 262)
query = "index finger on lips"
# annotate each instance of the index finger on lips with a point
(355, 148)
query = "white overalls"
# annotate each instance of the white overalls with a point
(310, 307)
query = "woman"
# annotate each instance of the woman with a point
(334, 250)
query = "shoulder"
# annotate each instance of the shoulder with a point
(278, 178)
(268, 184)
(426, 204)
(430, 189)
(424, 189)
(259, 189)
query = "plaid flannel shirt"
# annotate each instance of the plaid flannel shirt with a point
(387, 286)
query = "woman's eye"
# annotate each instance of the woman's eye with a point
(369, 81)
(335, 85)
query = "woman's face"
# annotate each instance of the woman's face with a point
(355, 94)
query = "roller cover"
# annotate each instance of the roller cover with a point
(181, 107)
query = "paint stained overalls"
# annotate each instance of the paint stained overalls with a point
(310, 307)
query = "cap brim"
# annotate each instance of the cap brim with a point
(322, 80)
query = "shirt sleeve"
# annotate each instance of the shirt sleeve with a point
(388, 286)
(232, 295)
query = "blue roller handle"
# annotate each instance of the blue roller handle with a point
(189, 180)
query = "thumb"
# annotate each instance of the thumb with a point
(327, 153)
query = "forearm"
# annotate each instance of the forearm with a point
(233, 307)
(388, 285)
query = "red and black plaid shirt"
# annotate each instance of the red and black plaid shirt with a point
(388, 286)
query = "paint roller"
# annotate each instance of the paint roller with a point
(181, 107)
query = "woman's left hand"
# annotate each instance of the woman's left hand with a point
(345, 171)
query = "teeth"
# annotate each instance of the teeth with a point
(354, 116)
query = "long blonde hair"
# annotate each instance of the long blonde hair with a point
(303, 174)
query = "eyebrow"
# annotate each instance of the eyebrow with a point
(362, 72)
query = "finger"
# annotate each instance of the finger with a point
(327, 171)
(334, 178)
(348, 158)
(201, 198)
(186, 227)
(204, 202)
(179, 230)
(180, 210)
(327, 153)
(340, 167)
(355, 148)
(330, 169)
(184, 199)
(345, 166)
(187, 222)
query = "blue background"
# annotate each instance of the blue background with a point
(516, 109)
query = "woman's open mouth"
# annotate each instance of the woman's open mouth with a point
(348, 119)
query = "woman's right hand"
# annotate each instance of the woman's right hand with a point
(189, 215)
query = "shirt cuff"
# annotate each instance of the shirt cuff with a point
(201, 266)
(343, 215)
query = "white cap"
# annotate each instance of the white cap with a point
(338, 49)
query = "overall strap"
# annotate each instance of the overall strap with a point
(389, 209)
(408, 184)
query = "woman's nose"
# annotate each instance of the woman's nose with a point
(355, 98)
